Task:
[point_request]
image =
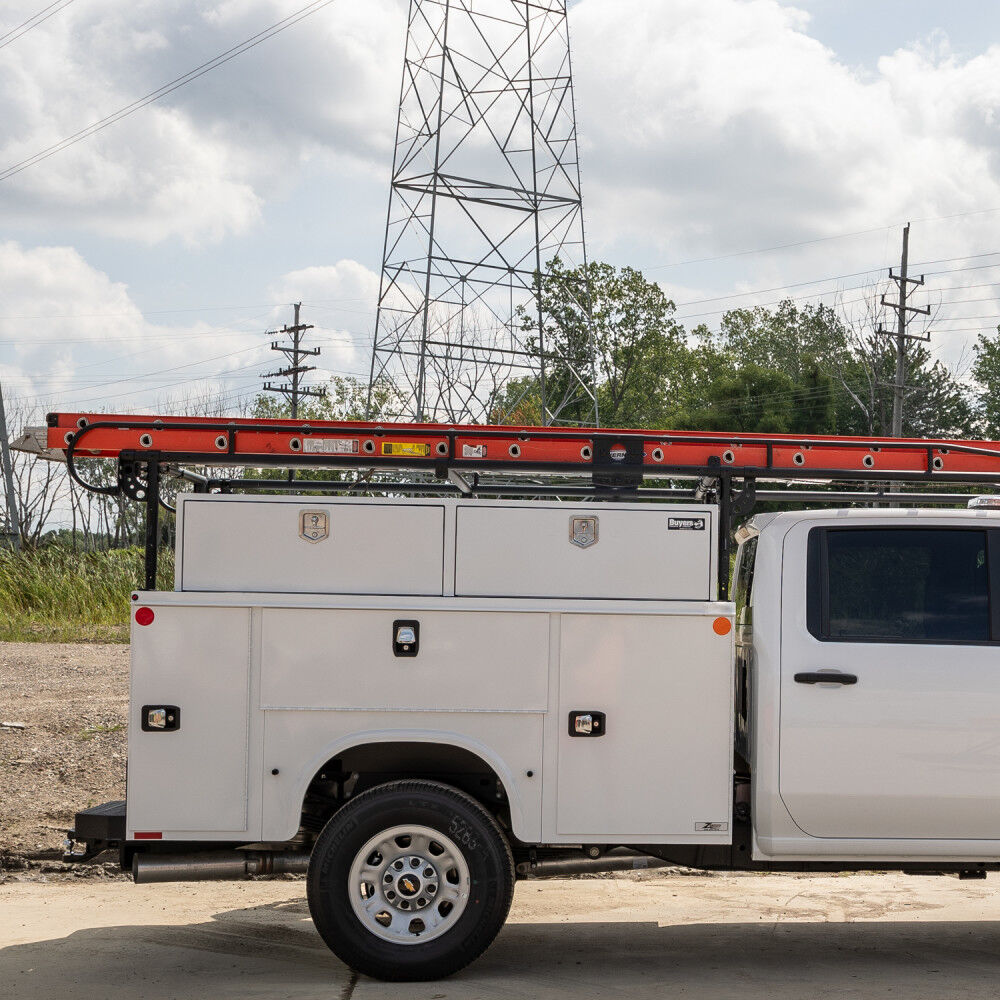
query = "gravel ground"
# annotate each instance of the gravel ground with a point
(72, 701)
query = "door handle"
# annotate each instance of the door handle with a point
(826, 677)
(587, 724)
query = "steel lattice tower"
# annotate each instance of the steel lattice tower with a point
(485, 196)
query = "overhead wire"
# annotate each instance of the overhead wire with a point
(33, 22)
(168, 88)
(816, 240)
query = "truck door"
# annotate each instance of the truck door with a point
(903, 740)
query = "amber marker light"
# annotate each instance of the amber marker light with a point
(722, 626)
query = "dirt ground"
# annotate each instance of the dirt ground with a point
(72, 701)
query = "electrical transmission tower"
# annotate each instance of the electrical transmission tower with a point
(901, 334)
(485, 197)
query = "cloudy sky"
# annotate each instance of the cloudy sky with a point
(738, 151)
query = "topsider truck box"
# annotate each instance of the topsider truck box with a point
(291, 545)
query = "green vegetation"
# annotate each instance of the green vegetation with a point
(53, 594)
(800, 369)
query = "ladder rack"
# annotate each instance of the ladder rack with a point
(601, 464)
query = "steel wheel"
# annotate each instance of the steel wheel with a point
(410, 880)
(409, 884)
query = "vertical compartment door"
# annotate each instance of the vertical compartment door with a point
(662, 770)
(194, 779)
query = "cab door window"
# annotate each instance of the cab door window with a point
(899, 585)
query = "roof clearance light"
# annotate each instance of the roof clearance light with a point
(985, 503)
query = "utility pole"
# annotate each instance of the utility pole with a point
(13, 519)
(295, 353)
(903, 312)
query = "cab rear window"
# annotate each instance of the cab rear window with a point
(899, 585)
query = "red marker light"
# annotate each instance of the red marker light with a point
(148, 836)
(144, 616)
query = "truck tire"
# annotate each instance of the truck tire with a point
(410, 881)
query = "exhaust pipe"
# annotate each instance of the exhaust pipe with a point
(215, 866)
(560, 865)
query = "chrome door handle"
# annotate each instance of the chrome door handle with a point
(826, 677)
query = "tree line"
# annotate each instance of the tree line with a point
(800, 369)
(788, 369)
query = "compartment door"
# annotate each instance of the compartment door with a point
(663, 769)
(193, 780)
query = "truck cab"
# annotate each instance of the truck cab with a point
(869, 695)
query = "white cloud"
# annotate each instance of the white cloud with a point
(723, 124)
(346, 283)
(707, 126)
(200, 164)
(74, 339)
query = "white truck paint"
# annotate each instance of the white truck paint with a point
(281, 681)
(709, 745)
(905, 765)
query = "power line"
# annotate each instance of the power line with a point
(186, 309)
(33, 22)
(167, 88)
(781, 246)
(819, 239)
(844, 277)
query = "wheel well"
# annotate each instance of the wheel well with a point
(362, 767)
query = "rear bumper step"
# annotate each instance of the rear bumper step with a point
(98, 828)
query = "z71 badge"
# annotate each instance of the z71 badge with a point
(314, 525)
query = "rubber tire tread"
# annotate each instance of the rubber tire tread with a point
(378, 809)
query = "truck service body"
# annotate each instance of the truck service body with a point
(417, 699)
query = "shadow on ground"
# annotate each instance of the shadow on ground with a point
(273, 951)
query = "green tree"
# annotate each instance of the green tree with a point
(986, 372)
(641, 353)
(936, 404)
(755, 399)
(790, 339)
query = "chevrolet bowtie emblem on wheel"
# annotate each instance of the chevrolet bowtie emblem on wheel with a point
(314, 525)
(583, 531)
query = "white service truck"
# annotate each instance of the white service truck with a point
(419, 701)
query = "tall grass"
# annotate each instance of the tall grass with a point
(53, 594)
